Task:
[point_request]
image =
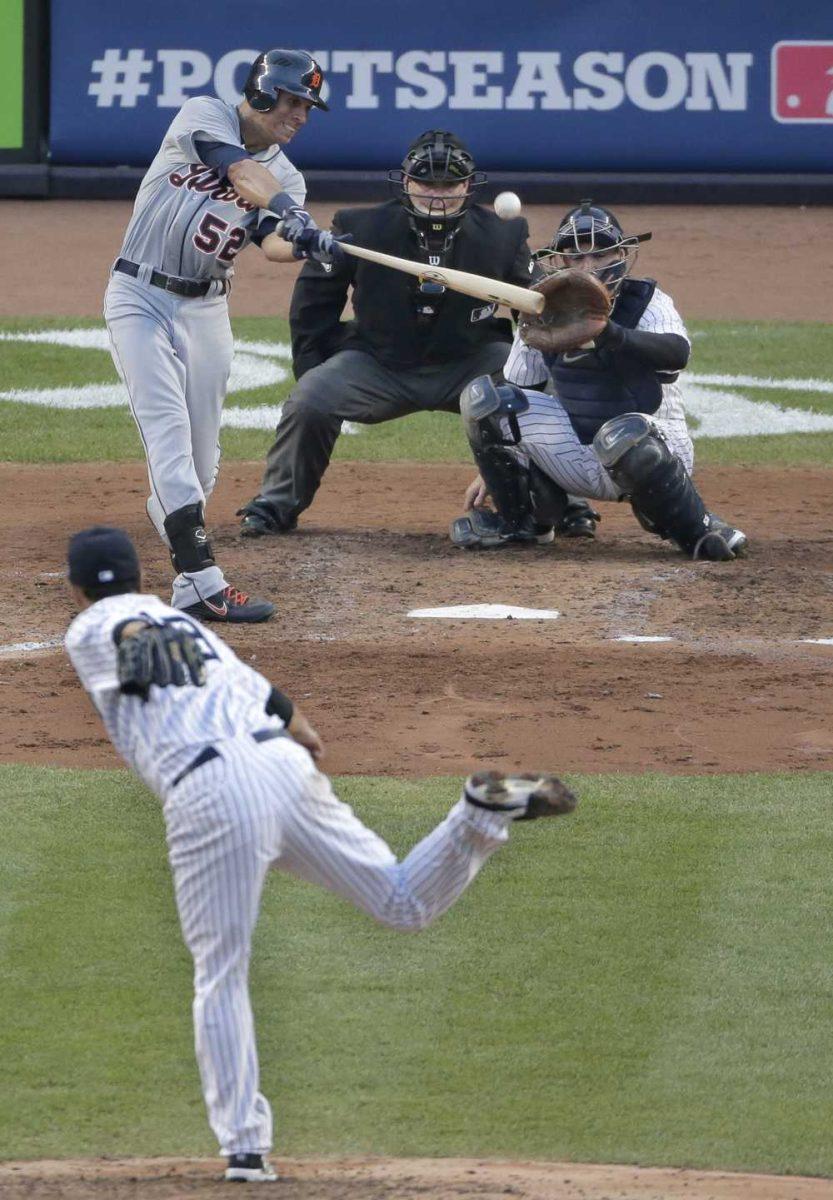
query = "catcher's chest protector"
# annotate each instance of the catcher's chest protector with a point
(592, 388)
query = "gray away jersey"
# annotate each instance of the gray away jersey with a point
(158, 739)
(186, 220)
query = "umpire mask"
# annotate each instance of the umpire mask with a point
(435, 184)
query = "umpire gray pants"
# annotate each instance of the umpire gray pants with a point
(354, 386)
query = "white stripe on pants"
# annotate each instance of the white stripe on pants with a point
(264, 805)
(549, 440)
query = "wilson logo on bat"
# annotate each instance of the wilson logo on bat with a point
(802, 82)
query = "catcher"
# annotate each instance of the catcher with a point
(610, 348)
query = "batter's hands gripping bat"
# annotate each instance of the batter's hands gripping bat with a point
(481, 286)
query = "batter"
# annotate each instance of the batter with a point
(235, 766)
(220, 180)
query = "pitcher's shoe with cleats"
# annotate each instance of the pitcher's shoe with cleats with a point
(579, 521)
(259, 521)
(249, 1168)
(722, 542)
(232, 607)
(484, 529)
(526, 796)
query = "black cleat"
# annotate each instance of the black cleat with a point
(721, 543)
(231, 607)
(526, 796)
(484, 529)
(579, 521)
(249, 1168)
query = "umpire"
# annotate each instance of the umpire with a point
(411, 346)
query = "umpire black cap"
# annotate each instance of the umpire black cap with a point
(275, 71)
(102, 555)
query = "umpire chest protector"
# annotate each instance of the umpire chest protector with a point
(595, 385)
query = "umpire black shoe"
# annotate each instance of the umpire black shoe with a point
(526, 797)
(258, 521)
(249, 1168)
(231, 607)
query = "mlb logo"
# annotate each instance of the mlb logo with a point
(802, 82)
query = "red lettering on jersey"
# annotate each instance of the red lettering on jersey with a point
(203, 180)
(181, 180)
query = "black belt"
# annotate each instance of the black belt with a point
(190, 288)
(209, 753)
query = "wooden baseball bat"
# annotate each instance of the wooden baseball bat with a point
(481, 286)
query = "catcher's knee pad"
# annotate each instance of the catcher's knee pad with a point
(629, 446)
(662, 495)
(190, 547)
(483, 403)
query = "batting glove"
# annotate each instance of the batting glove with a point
(320, 245)
(294, 223)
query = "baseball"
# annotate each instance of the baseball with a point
(508, 205)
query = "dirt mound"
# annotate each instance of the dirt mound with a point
(402, 1179)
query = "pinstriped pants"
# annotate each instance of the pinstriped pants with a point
(266, 805)
(549, 440)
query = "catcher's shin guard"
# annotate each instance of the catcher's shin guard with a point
(508, 484)
(553, 507)
(190, 547)
(548, 500)
(482, 404)
(660, 489)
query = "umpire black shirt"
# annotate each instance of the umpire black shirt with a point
(386, 322)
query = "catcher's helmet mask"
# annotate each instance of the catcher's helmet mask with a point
(276, 71)
(590, 230)
(436, 156)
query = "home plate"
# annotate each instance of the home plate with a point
(487, 612)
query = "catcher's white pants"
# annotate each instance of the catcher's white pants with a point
(266, 805)
(549, 440)
(174, 357)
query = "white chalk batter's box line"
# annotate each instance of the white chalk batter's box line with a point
(715, 411)
(52, 645)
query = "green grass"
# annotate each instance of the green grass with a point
(648, 981)
(35, 434)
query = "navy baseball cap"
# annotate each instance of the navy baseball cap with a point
(101, 555)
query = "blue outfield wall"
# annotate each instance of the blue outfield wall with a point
(732, 85)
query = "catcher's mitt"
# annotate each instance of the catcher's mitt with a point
(576, 311)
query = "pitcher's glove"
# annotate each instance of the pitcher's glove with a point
(576, 311)
(167, 655)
